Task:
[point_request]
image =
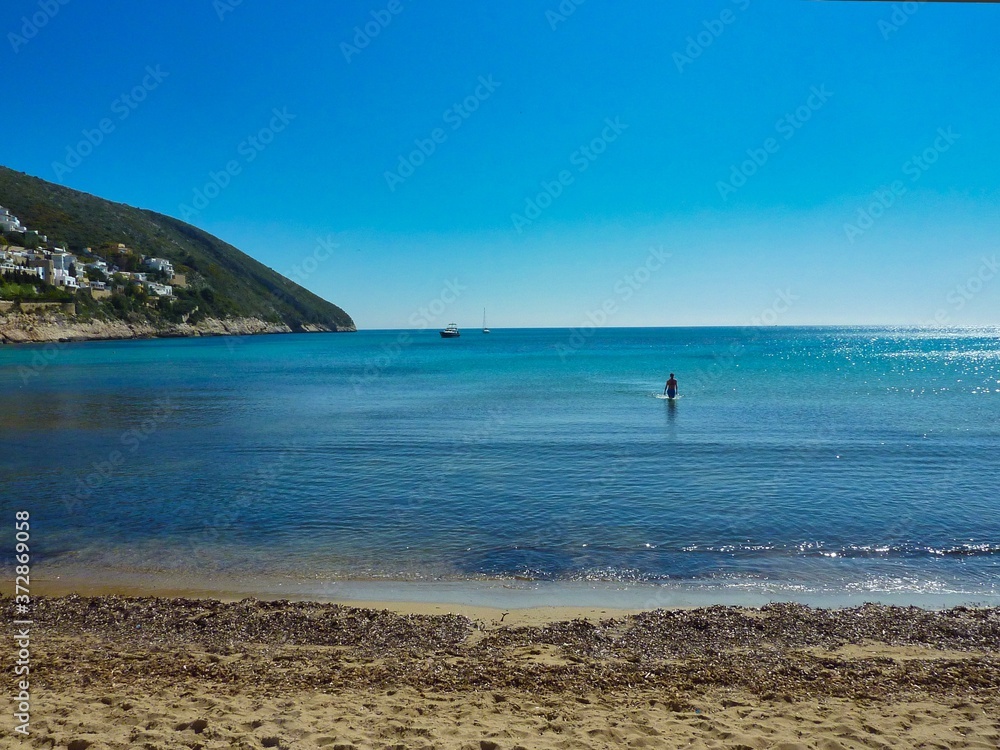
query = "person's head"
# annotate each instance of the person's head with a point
(671, 374)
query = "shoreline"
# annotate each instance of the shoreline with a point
(531, 615)
(40, 328)
(487, 615)
(491, 596)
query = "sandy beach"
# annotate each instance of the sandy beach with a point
(127, 672)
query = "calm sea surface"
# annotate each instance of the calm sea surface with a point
(798, 462)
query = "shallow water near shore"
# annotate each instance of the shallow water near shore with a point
(808, 464)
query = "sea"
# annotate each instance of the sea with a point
(827, 466)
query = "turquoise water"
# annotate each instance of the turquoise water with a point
(798, 462)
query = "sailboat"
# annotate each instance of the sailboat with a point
(485, 329)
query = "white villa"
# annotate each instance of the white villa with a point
(97, 265)
(161, 264)
(160, 290)
(62, 260)
(9, 222)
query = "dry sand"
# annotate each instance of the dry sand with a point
(117, 672)
(184, 718)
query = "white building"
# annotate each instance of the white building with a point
(98, 265)
(9, 222)
(160, 290)
(8, 267)
(161, 264)
(62, 278)
(62, 261)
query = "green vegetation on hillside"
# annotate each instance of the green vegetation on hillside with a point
(222, 282)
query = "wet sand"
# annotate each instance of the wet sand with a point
(124, 672)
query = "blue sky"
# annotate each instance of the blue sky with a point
(798, 162)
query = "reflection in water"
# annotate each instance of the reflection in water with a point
(671, 409)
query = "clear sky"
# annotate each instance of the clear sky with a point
(789, 161)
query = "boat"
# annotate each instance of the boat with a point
(485, 329)
(450, 332)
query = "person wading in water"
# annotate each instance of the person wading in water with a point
(671, 387)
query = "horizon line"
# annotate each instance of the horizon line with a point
(922, 326)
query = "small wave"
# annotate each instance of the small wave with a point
(817, 549)
(905, 550)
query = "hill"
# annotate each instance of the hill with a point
(221, 283)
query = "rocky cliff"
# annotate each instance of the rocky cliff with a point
(36, 328)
